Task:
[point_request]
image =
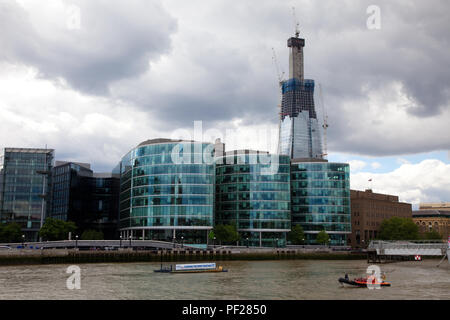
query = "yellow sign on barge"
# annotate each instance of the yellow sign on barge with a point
(192, 268)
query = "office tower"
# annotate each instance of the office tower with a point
(88, 199)
(25, 176)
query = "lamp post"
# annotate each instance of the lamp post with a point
(120, 245)
(130, 239)
(214, 243)
(45, 174)
(277, 243)
(182, 241)
(23, 241)
(76, 242)
(173, 241)
(247, 242)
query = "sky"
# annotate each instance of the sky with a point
(93, 79)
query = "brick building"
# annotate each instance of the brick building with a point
(368, 210)
(433, 216)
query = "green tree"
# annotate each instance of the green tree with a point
(211, 236)
(432, 235)
(10, 232)
(296, 235)
(92, 235)
(226, 233)
(397, 228)
(323, 237)
(54, 229)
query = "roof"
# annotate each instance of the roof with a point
(162, 140)
(29, 150)
(431, 213)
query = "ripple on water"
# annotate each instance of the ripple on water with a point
(288, 279)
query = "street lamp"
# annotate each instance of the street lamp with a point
(23, 240)
(214, 243)
(130, 239)
(277, 243)
(76, 242)
(247, 242)
(45, 174)
(182, 241)
(173, 241)
(120, 242)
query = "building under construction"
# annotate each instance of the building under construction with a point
(299, 135)
(320, 190)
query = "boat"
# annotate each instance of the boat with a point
(192, 268)
(363, 282)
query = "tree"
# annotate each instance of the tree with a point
(10, 232)
(211, 236)
(323, 237)
(432, 235)
(54, 229)
(297, 235)
(226, 233)
(397, 228)
(92, 235)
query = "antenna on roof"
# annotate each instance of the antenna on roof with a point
(296, 23)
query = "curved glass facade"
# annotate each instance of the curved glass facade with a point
(321, 200)
(256, 202)
(167, 191)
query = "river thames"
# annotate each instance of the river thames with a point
(273, 280)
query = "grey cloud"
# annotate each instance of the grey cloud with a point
(238, 78)
(117, 40)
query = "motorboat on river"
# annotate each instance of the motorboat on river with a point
(363, 282)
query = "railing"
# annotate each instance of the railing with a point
(431, 247)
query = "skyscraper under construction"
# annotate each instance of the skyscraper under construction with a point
(299, 128)
(320, 190)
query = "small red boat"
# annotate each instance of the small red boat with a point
(363, 282)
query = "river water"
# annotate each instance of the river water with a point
(287, 279)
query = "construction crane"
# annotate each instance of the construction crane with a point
(280, 74)
(325, 123)
(296, 23)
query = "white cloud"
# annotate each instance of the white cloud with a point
(357, 165)
(427, 181)
(376, 165)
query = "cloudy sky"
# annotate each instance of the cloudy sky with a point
(92, 79)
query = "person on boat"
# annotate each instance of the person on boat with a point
(346, 277)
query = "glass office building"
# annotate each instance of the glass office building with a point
(167, 191)
(25, 179)
(253, 197)
(321, 199)
(88, 199)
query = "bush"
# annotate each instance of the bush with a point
(10, 232)
(432, 235)
(226, 233)
(323, 237)
(296, 236)
(54, 229)
(397, 228)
